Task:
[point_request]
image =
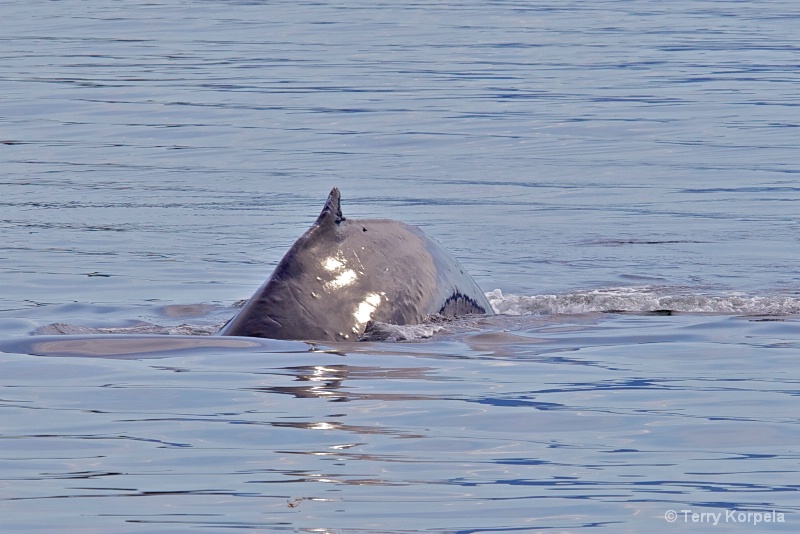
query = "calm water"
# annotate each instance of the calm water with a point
(589, 163)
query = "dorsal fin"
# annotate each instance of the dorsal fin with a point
(332, 212)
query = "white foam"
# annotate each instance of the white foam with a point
(641, 299)
(377, 331)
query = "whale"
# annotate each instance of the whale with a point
(343, 275)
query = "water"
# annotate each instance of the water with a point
(591, 164)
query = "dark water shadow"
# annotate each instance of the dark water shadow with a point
(135, 347)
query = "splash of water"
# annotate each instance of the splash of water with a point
(642, 300)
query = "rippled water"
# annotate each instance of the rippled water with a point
(620, 177)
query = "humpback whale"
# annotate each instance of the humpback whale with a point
(343, 273)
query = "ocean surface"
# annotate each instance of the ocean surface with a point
(621, 178)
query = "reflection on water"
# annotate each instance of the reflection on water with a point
(572, 433)
(328, 382)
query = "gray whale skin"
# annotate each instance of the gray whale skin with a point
(343, 273)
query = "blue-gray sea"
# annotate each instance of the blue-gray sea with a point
(622, 178)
